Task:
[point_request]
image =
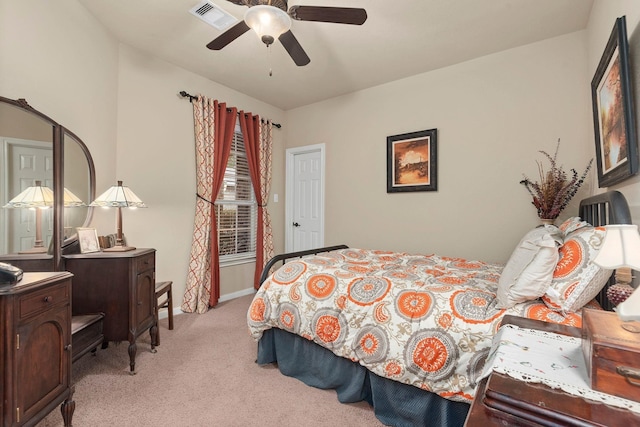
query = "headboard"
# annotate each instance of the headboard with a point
(602, 209)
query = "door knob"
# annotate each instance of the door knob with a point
(295, 224)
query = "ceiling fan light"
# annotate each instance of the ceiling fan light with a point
(268, 22)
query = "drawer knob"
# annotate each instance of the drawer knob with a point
(67, 347)
(48, 299)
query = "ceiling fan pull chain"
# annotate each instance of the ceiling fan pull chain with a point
(269, 60)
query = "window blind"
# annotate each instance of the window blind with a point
(236, 207)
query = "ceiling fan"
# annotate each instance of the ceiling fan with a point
(270, 20)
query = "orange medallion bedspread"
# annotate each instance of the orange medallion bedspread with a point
(423, 320)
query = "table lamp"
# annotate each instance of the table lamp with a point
(36, 198)
(118, 197)
(621, 250)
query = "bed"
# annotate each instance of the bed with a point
(409, 333)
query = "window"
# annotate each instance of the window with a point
(236, 208)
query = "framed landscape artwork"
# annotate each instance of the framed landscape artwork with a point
(412, 162)
(613, 116)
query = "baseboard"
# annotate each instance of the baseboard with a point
(227, 297)
(235, 295)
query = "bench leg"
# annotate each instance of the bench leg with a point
(170, 308)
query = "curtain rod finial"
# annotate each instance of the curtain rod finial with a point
(184, 94)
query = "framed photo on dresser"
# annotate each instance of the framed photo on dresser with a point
(88, 239)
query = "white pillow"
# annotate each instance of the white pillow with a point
(529, 271)
(576, 279)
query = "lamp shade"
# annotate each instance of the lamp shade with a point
(71, 200)
(269, 22)
(620, 248)
(35, 196)
(118, 196)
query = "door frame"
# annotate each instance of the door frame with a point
(289, 190)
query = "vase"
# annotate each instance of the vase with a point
(547, 221)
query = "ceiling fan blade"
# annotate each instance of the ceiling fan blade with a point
(228, 36)
(292, 46)
(338, 15)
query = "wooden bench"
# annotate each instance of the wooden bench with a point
(86, 334)
(163, 289)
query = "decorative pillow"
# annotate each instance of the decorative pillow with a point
(529, 271)
(576, 279)
(572, 224)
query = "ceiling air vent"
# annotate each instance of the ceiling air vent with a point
(213, 15)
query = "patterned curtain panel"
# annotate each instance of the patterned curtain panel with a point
(258, 142)
(266, 146)
(213, 128)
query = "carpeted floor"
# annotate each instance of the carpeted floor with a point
(204, 374)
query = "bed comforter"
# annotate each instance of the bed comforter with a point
(423, 320)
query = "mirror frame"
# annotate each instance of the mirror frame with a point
(59, 132)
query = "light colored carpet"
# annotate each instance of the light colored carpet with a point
(204, 374)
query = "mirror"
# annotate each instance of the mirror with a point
(26, 155)
(33, 148)
(78, 180)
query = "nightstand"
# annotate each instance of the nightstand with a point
(502, 400)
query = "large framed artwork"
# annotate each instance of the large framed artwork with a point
(613, 115)
(412, 161)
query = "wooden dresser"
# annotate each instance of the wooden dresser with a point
(35, 353)
(505, 401)
(122, 286)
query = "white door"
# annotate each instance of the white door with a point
(27, 161)
(304, 228)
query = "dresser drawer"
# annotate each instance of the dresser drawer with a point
(145, 262)
(37, 302)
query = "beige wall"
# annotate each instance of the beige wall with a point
(125, 107)
(493, 114)
(55, 56)
(156, 158)
(601, 21)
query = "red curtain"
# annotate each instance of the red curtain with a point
(225, 122)
(250, 126)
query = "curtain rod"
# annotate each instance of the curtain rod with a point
(184, 94)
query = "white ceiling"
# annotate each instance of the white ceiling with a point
(400, 38)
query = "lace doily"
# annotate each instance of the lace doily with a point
(555, 360)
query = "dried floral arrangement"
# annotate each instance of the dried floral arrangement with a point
(556, 187)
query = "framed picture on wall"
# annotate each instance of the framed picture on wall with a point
(88, 239)
(412, 162)
(613, 116)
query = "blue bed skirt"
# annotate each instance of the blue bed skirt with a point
(395, 404)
